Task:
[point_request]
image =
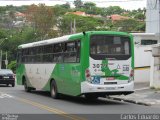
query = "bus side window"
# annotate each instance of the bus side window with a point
(48, 57)
(58, 56)
(72, 51)
(78, 48)
(19, 57)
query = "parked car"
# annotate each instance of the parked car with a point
(7, 77)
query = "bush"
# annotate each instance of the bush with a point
(12, 66)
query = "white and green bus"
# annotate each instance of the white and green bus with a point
(93, 63)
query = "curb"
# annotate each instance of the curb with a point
(129, 101)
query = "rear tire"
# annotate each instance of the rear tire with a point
(26, 88)
(53, 90)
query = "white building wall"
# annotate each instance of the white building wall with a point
(142, 59)
(143, 56)
(155, 67)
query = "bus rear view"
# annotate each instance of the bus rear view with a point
(111, 65)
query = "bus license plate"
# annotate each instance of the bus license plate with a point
(110, 88)
(5, 77)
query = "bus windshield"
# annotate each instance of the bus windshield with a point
(109, 46)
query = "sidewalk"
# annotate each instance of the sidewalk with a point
(143, 95)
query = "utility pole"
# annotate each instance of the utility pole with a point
(74, 27)
(6, 61)
(71, 31)
(1, 60)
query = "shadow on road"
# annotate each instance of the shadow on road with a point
(79, 100)
(4, 85)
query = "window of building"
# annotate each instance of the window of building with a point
(148, 42)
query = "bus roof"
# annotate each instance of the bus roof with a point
(66, 38)
(46, 42)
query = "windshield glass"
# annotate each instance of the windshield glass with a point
(117, 47)
(5, 71)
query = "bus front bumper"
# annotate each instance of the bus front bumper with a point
(117, 89)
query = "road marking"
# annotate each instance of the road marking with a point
(44, 107)
(52, 110)
(4, 95)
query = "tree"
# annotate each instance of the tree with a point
(139, 16)
(12, 66)
(3, 33)
(141, 27)
(82, 23)
(60, 10)
(42, 18)
(112, 10)
(90, 7)
(126, 25)
(66, 5)
(78, 3)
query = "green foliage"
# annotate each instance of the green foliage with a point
(12, 66)
(90, 8)
(66, 5)
(89, 5)
(78, 3)
(82, 23)
(112, 10)
(140, 27)
(139, 16)
(42, 18)
(134, 12)
(127, 25)
(60, 10)
(3, 33)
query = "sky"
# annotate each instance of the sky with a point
(126, 4)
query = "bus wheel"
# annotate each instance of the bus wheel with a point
(26, 88)
(54, 91)
(91, 96)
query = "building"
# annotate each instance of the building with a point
(116, 17)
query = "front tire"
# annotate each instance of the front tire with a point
(54, 90)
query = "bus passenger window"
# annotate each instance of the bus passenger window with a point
(70, 52)
(78, 45)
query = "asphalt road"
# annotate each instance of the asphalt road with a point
(17, 101)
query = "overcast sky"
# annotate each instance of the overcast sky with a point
(126, 4)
